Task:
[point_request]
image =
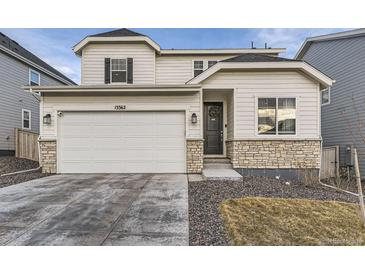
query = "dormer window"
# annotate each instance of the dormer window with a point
(119, 70)
(34, 78)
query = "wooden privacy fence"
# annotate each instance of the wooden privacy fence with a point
(26, 144)
(330, 162)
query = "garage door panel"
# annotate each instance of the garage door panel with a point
(138, 130)
(122, 142)
(106, 131)
(77, 154)
(165, 154)
(76, 130)
(75, 142)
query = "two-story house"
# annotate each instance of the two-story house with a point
(342, 57)
(19, 67)
(141, 108)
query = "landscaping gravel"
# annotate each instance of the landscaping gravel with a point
(205, 223)
(10, 164)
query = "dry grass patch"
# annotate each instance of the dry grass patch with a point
(271, 221)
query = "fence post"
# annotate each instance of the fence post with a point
(16, 133)
(359, 188)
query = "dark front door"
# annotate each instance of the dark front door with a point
(213, 128)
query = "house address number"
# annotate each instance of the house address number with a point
(119, 107)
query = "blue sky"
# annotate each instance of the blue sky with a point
(55, 45)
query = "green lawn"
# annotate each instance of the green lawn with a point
(269, 221)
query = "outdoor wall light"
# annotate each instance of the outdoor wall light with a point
(47, 119)
(194, 118)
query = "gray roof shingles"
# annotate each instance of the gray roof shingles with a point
(252, 57)
(117, 33)
(16, 48)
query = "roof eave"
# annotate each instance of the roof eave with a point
(36, 66)
(327, 37)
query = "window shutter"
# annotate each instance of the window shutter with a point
(107, 71)
(130, 70)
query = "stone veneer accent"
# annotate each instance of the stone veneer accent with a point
(270, 154)
(194, 156)
(48, 156)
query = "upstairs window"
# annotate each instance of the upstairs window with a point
(119, 70)
(276, 116)
(325, 96)
(198, 67)
(34, 78)
(212, 63)
(26, 119)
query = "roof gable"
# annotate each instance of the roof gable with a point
(288, 64)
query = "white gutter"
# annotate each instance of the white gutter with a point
(219, 51)
(112, 88)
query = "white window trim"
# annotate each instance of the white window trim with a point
(30, 76)
(276, 135)
(30, 119)
(193, 67)
(126, 70)
(205, 65)
(329, 96)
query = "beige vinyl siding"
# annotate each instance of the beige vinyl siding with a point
(230, 115)
(93, 62)
(179, 69)
(250, 85)
(189, 103)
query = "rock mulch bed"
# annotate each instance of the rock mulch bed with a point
(10, 164)
(205, 221)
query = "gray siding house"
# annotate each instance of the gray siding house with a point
(341, 56)
(18, 109)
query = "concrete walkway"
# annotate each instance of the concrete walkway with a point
(101, 209)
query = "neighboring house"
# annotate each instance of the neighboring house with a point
(19, 67)
(141, 108)
(341, 56)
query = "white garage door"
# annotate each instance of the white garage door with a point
(121, 142)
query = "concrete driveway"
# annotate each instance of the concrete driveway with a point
(98, 209)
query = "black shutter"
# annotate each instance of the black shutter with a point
(130, 70)
(107, 71)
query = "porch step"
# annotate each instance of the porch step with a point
(217, 163)
(216, 160)
(220, 169)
